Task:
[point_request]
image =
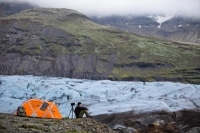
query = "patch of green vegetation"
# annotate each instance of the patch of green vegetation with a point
(56, 49)
(32, 50)
(24, 24)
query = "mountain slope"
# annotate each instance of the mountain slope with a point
(166, 27)
(62, 42)
(9, 8)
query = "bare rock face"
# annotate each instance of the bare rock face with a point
(70, 65)
(36, 49)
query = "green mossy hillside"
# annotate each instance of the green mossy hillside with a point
(109, 53)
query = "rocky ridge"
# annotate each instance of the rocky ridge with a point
(9, 8)
(66, 43)
(176, 28)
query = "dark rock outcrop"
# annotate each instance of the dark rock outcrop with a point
(185, 121)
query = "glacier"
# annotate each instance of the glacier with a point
(100, 96)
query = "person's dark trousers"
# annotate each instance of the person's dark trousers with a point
(82, 113)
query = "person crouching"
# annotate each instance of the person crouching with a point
(80, 111)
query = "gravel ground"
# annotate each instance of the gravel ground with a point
(185, 121)
(15, 124)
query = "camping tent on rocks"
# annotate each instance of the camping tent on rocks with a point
(39, 108)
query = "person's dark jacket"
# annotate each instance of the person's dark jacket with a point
(78, 110)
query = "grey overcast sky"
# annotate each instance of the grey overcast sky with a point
(124, 7)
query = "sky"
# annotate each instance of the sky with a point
(100, 97)
(124, 7)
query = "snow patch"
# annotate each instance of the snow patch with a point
(161, 18)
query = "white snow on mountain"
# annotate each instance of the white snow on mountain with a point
(101, 97)
(161, 18)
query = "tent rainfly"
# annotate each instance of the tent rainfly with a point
(39, 108)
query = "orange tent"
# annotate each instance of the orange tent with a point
(40, 108)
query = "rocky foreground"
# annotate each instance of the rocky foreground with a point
(185, 121)
(15, 124)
